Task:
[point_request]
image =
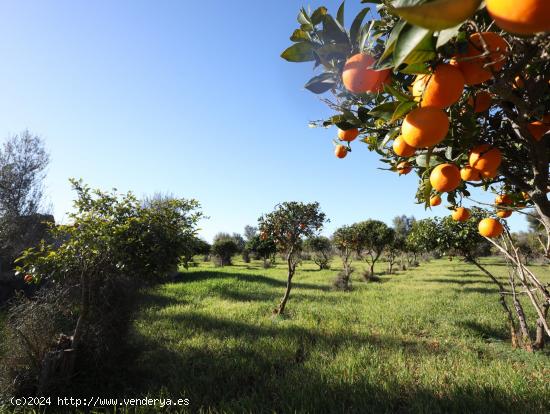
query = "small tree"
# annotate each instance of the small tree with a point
(224, 247)
(374, 236)
(287, 225)
(23, 161)
(263, 248)
(345, 240)
(112, 239)
(321, 250)
(195, 247)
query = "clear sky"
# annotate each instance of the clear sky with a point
(189, 98)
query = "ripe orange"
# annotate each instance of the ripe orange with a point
(485, 158)
(445, 177)
(28, 278)
(478, 69)
(467, 173)
(481, 101)
(489, 174)
(435, 200)
(401, 148)
(461, 214)
(439, 89)
(504, 213)
(340, 151)
(348, 134)
(538, 129)
(358, 77)
(489, 227)
(503, 199)
(425, 127)
(521, 17)
(518, 82)
(404, 168)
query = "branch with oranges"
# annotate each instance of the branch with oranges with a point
(457, 91)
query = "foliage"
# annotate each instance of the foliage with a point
(322, 250)
(408, 50)
(262, 248)
(374, 237)
(287, 226)
(224, 247)
(23, 161)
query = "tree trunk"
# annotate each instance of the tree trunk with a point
(291, 270)
(539, 339)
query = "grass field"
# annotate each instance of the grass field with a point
(431, 339)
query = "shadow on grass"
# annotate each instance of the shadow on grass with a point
(485, 331)
(249, 278)
(242, 377)
(457, 281)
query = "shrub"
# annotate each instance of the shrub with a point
(321, 250)
(224, 248)
(113, 244)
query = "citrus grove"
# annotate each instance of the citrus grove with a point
(458, 92)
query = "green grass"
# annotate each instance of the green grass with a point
(432, 339)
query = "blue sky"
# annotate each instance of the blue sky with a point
(189, 98)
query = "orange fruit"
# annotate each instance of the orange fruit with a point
(461, 214)
(358, 77)
(489, 174)
(477, 69)
(439, 89)
(348, 134)
(340, 151)
(425, 127)
(521, 17)
(485, 158)
(28, 278)
(481, 101)
(538, 129)
(503, 199)
(404, 168)
(401, 148)
(445, 177)
(504, 213)
(435, 200)
(489, 227)
(518, 83)
(467, 173)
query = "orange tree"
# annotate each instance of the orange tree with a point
(287, 226)
(346, 242)
(456, 91)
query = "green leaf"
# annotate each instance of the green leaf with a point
(415, 44)
(392, 133)
(333, 31)
(303, 18)
(306, 27)
(340, 13)
(385, 110)
(321, 83)
(401, 96)
(363, 114)
(392, 39)
(356, 25)
(333, 50)
(318, 15)
(300, 35)
(402, 109)
(444, 36)
(416, 69)
(299, 52)
(423, 159)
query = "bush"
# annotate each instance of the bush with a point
(224, 248)
(114, 244)
(321, 251)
